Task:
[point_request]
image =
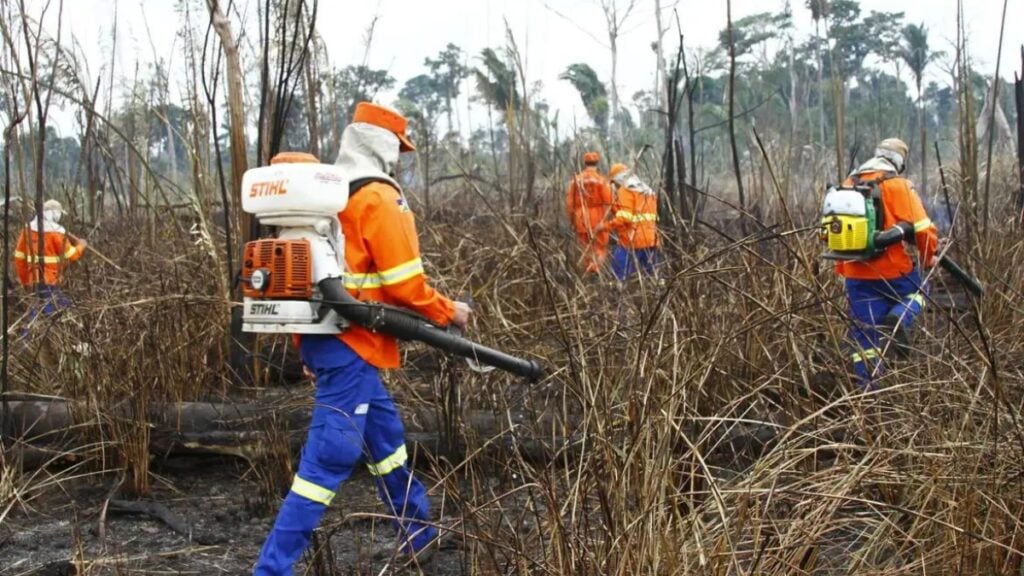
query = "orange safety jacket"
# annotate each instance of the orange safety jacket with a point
(58, 252)
(900, 203)
(382, 257)
(588, 200)
(636, 219)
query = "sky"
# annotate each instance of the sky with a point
(551, 34)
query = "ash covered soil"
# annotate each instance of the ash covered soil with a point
(215, 498)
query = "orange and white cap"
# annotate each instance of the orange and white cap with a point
(617, 169)
(386, 118)
(591, 158)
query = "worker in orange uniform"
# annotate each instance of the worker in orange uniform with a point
(635, 224)
(354, 416)
(44, 274)
(886, 293)
(589, 203)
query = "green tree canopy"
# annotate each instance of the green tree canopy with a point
(355, 84)
(592, 92)
(449, 71)
(496, 81)
(751, 31)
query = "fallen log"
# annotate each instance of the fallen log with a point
(42, 431)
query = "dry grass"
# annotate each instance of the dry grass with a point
(920, 477)
(648, 384)
(152, 331)
(704, 426)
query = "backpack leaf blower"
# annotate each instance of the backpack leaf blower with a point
(294, 282)
(851, 227)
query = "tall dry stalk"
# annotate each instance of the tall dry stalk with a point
(992, 118)
(967, 131)
(732, 111)
(1018, 94)
(16, 116)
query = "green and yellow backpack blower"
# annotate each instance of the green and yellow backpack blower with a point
(851, 227)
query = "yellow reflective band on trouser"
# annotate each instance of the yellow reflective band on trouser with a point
(869, 354)
(394, 275)
(19, 255)
(917, 297)
(922, 224)
(389, 464)
(311, 491)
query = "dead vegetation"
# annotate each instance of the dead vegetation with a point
(703, 425)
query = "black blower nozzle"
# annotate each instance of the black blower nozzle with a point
(407, 325)
(904, 231)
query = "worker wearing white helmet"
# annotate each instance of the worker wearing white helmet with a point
(43, 271)
(886, 291)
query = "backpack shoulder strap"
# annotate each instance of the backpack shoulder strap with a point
(360, 183)
(876, 188)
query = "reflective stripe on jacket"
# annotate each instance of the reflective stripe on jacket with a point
(382, 256)
(58, 252)
(588, 200)
(636, 219)
(900, 203)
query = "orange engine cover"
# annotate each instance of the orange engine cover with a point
(289, 263)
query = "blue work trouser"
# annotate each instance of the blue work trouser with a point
(626, 261)
(354, 416)
(50, 299)
(871, 301)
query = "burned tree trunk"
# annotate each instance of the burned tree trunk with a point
(312, 107)
(236, 110)
(674, 162)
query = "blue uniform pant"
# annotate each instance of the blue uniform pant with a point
(50, 299)
(353, 417)
(871, 302)
(627, 261)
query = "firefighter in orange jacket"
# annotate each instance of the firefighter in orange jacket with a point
(589, 202)
(44, 274)
(635, 224)
(886, 293)
(354, 416)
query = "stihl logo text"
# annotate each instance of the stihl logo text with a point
(265, 309)
(275, 188)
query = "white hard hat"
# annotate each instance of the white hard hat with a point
(895, 151)
(895, 145)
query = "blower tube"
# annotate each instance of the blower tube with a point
(407, 325)
(905, 231)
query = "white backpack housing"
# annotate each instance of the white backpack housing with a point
(302, 199)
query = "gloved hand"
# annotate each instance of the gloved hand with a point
(462, 314)
(79, 243)
(941, 248)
